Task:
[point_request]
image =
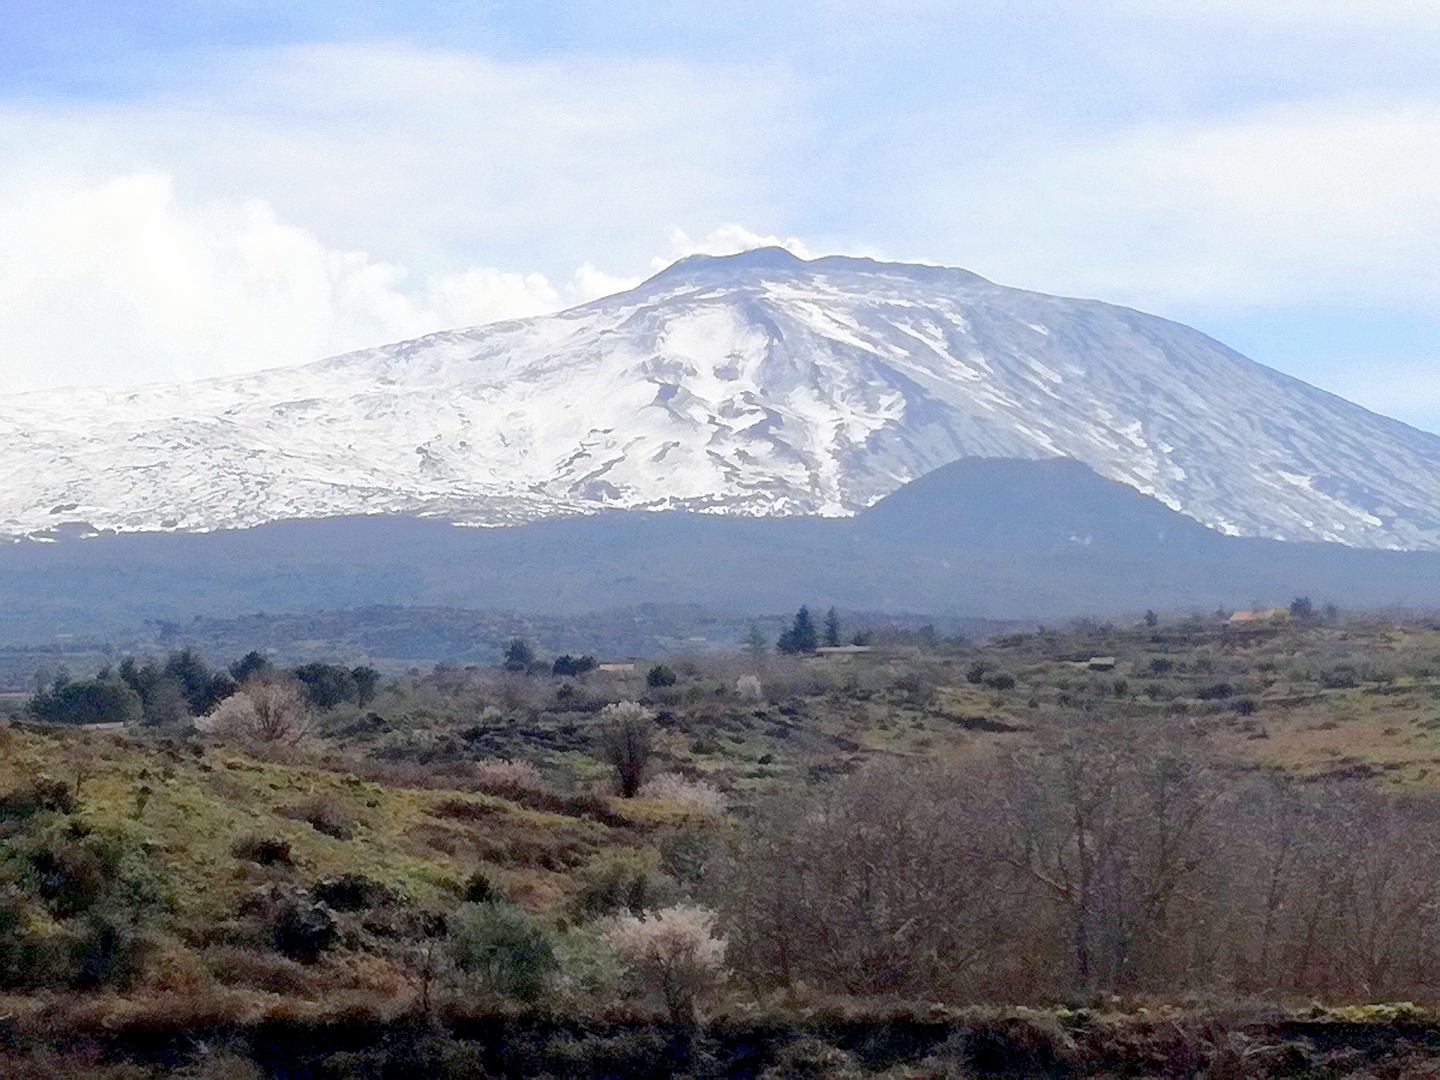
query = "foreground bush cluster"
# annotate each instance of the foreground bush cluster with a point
(1105, 862)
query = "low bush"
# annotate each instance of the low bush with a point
(622, 884)
(479, 890)
(353, 892)
(698, 795)
(263, 850)
(48, 796)
(1215, 692)
(503, 949)
(302, 930)
(324, 813)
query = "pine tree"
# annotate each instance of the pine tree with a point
(519, 655)
(801, 637)
(832, 628)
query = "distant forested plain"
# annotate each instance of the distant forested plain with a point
(999, 540)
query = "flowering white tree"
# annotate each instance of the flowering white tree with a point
(700, 796)
(262, 710)
(675, 951)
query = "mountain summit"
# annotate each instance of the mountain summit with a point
(755, 384)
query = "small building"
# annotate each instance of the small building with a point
(1101, 663)
(616, 669)
(1259, 615)
(841, 650)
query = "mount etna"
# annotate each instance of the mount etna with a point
(750, 431)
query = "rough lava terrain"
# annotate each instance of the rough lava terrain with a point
(755, 384)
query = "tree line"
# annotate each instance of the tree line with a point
(170, 691)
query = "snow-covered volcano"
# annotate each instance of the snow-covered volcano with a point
(755, 384)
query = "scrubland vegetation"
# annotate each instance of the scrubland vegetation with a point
(1179, 848)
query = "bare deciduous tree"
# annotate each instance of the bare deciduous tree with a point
(627, 740)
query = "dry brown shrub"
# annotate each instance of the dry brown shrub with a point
(503, 777)
(173, 967)
(465, 810)
(264, 850)
(78, 1063)
(534, 849)
(259, 970)
(325, 813)
(145, 1014)
(590, 805)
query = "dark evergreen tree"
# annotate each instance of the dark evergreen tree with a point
(572, 665)
(367, 681)
(801, 637)
(832, 628)
(190, 672)
(252, 663)
(519, 655)
(87, 701)
(202, 689)
(326, 685)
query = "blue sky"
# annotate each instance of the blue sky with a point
(200, 188)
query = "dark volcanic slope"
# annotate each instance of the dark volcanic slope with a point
(980, 537)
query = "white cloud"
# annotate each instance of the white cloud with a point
(442, 158)
(728, 239)
(116, 282)
(122, 281)
(289, 204)
(1305, 204)
(1307, 14)
(589, 283)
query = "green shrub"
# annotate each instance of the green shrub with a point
(503, 949)
(72, 905)
(91, 701)
(478, 890)
(659, 676)
(104, 950)
(587, 963)
(622, 885)
(52, 796)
